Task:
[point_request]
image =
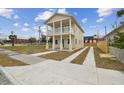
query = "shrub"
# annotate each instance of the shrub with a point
(119, 40)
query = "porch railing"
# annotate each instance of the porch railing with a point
(65, 30)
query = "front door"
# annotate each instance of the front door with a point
(63, 42)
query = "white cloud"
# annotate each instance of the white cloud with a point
(16, 17)
(7, 13)
(84, 20)
(26, 24)
(62, 10)
(103, 12)
(43, 15)
(52, 9)
(46, 14)
(16, 24)
(99, 20)
(26, 29)
(92, 26)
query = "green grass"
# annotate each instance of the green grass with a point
(7, 61)
(80, 58)
(28, 49)
(107, 63)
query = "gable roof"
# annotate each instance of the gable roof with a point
(67, 16)
(114, 31)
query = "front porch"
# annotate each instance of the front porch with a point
(63, 43)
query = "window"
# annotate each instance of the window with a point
(68, 41)
(56, 41)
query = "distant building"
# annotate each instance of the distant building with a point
(19, 41)
(92, 39)
(110, 36)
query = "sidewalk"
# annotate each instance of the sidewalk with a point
(89, 60)
(70, 58)
(53, 72)
(42, 53)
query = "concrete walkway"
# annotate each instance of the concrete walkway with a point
(22, 57)
(89, 60)
(70, 58)
(54, 72)
(42, 53)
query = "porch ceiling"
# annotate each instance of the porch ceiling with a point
(57, 23)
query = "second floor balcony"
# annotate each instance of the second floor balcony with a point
(65, 30)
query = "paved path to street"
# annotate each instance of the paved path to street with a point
(42, 53)
(54, 72)
(89, 60)
(70, 58)
(22, 57)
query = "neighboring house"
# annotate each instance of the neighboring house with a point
(90, 39)
(110, 36)
(65, 32)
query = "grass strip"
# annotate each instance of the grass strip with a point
(80, 58)
(7, 61)
(107, 63)
(60, 55)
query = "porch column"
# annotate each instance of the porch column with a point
(61, 45)
(53, 39)
(70, 41)
(47, 45)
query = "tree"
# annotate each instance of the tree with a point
(120, 13)
(119, 40)
(43, 38)
(32, 40)
(12, 37)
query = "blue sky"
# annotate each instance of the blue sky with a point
(25, 21)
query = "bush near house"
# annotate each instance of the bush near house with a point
(118, 40)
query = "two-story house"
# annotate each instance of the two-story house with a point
(66, 33)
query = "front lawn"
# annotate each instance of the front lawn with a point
(60, 55)
(28, 49)
(107, 63)
(80, 58)
(7, 61)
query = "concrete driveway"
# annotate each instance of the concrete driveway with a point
(55, 72)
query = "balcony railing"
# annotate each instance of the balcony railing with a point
(65, 30)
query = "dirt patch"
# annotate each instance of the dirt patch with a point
(80, 58)
(59, 55)
(7, 61)
(107, 63)
(28, 49)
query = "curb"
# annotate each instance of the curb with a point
(9, 76)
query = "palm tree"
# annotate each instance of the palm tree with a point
(120, 13)
(12, 37)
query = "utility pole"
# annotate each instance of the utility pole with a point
(105, 31)
(39, 33)
(97, 35)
